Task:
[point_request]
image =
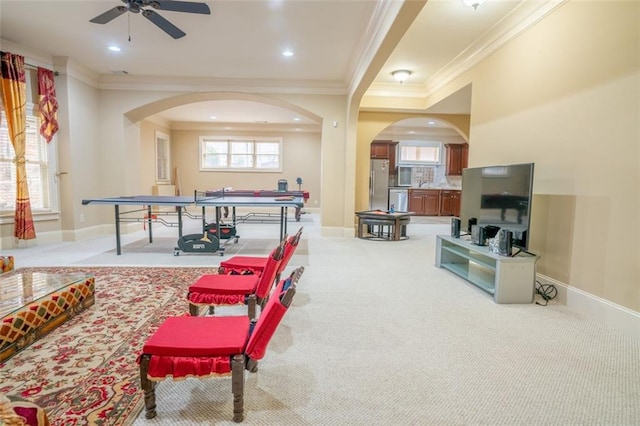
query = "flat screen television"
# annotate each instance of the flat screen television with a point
(499, 196)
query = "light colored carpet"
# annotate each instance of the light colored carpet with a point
(378, 335)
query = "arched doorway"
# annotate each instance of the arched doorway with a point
(188, 118)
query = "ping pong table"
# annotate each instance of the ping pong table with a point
(208, 199)
(259, 217)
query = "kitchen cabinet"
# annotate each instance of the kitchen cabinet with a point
(424, 202)
(380, 149)
(449, 203)
(457, 200)
(457, 158)
(385, 150)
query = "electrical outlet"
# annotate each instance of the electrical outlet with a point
(81, 217)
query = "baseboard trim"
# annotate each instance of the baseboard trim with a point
(613, 315)
(51, 237)
(334, 231)
(54, 237)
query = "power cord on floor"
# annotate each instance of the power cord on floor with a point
(546, 291)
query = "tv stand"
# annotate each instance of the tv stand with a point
(507, 279)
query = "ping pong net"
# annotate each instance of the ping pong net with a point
(210, 194)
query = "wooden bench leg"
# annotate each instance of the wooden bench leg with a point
(237, 387)
(193, 310)
(251, 307)
(148, 387)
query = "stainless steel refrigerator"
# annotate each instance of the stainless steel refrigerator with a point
(379, 185)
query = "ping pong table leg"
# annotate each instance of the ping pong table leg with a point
(118, 251)
(150, 221)
(218, 234)
(283, 222)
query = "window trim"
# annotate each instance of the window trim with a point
(434, 144)
(162, 143)
(228, 139)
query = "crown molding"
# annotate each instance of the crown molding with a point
(521, 18)
(31, 56)
(181, 84)
(67, 66)
(378, 26)
(246, 127)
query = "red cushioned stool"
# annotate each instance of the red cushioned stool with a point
(203, 347)
(256, 264)
(219, 290)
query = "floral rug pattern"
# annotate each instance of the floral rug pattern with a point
(85, 372)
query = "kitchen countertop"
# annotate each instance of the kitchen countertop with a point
(442, 188)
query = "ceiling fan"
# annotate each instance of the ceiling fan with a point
(140, 6)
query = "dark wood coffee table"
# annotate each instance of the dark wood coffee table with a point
(34, 303)
(383, 225)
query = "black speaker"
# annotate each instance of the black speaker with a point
(505, 242)
(455, 227)
(472, 221)
(478, 235)
(491, 231)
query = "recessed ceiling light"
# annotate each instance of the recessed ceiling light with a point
(287, 52)
(431, 123)
(213, 117)
(114, 48)
(296, 119)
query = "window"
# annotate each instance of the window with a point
(40, 164)
(163, 157)
(238, 153)
(420, 152)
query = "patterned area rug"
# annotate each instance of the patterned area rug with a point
(85, 372)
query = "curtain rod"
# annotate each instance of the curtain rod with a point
(35, 67)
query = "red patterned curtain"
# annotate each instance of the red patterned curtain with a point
(47, 103)
(14, 99)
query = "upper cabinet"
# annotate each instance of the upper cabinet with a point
(380, 149)
(457, 158)
(385, 150)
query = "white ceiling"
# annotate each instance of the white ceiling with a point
(238, 47)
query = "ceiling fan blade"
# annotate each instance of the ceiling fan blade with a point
(180, 6)
(109, 15)
(163, 24)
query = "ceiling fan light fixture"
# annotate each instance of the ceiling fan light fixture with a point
(401, 75)
(473, 3)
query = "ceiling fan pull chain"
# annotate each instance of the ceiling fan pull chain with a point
(129, 25)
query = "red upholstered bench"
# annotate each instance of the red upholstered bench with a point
(220, 289)
(203, 347)
(256, 264)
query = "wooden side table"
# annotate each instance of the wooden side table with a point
(395, 222)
